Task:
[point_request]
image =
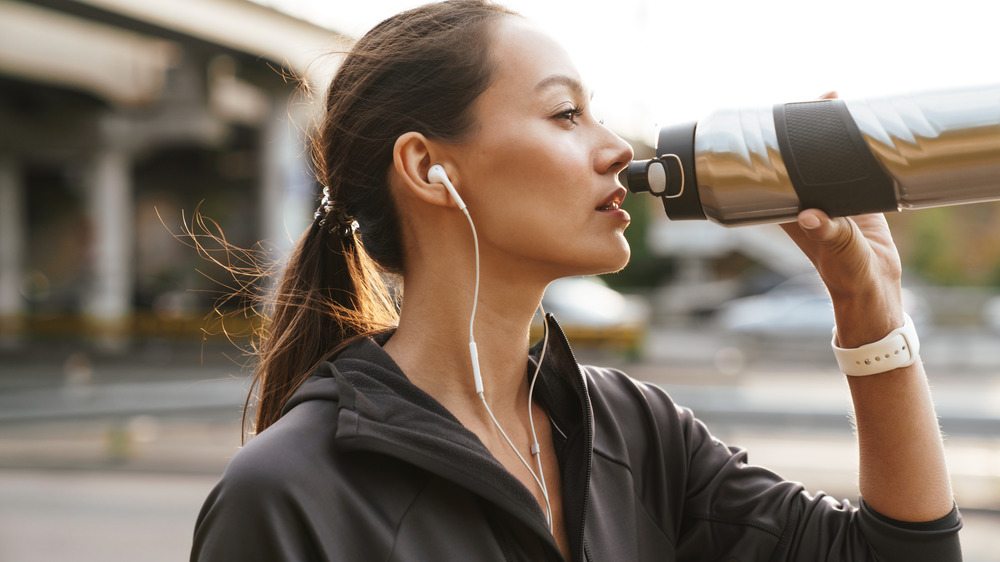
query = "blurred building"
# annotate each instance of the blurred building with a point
(120, 117)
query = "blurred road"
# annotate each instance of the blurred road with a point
(110, 458)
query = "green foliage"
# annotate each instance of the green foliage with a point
(930, 254)
(951, 246)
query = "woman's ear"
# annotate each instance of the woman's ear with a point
(412, 156)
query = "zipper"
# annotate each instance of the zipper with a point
(590, 466)
(588, 412)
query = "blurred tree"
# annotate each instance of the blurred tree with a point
(951, 246)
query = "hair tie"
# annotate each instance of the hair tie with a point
(345, 224)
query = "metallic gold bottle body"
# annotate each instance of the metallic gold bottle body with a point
(936, 148)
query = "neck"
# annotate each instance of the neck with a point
(431, 344)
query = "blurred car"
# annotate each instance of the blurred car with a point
(991, 313)
(595, 315)
(798, 308)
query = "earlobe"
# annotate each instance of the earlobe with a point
(413, 155)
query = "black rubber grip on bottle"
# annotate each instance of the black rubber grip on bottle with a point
(830, 165)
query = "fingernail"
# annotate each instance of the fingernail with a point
(809, 221)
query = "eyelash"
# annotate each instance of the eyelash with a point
(570, 115)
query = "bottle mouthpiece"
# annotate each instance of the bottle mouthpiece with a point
(646, 175)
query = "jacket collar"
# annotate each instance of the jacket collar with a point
(380, 410)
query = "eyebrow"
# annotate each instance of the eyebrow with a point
(569, 82)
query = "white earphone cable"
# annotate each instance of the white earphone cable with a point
(479, 386)
(475, 294)
(535, 448)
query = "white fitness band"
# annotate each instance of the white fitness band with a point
(898, 349)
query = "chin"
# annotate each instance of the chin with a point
(618, 267)
(613, 262)
(624, 255)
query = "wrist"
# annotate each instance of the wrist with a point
(866, 318)
(898, 348)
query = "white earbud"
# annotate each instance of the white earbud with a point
(437, 175)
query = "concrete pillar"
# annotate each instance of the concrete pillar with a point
(286, 196)
(13, 239)
(108, 304)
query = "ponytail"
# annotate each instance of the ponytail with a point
(330, 294)
(420, 71)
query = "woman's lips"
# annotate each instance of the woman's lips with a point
(614, 202)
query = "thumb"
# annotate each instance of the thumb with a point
(819, 227)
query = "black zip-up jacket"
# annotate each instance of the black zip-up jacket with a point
(363, 465)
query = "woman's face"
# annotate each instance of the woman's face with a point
(539, 174)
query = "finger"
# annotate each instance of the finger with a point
(819, 227)
(829, 95)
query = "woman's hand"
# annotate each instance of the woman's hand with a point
(858, 262)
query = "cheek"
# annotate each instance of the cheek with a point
(529, 183)
(556, 163)
(528, 152)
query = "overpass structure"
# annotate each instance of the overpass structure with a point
(114, 111)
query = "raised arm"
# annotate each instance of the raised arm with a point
(903, 474)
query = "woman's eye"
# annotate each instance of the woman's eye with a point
(571, 115)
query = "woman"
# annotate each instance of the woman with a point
(384, 438)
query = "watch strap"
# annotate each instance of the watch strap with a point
(898, 349)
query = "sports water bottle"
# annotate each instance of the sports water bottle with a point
(748, 166)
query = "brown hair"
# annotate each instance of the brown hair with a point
(421, 71)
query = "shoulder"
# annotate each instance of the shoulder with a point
(262, 506)
(277, 490)
(278, 465)
(308, 424)
(287, 447)
(637, 424)
(629, 399)
(270, 477)
(634, 419)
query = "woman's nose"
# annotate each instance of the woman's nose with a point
(616, 155)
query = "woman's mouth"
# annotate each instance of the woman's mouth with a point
(614, 202)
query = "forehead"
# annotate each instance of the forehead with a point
(528, 62)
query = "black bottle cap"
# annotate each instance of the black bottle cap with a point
(678, 141)
(634, 177)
